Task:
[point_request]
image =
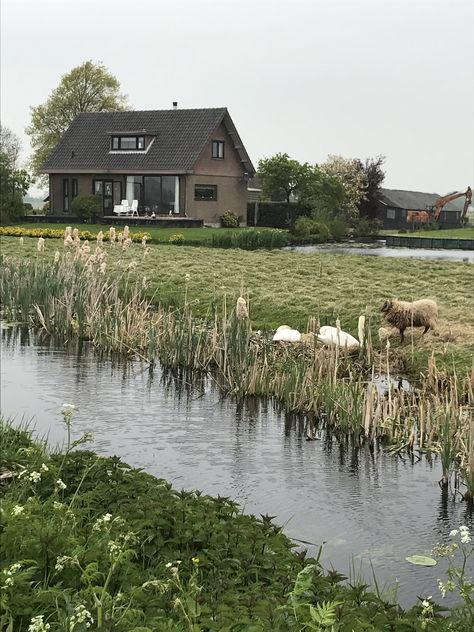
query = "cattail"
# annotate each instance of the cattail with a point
(56, 256)
(338, 325)
(126, 243)
(67, 231)
(68, 241)
(241, 309)
(146, 252)
(120, 237)
(85, 247)
(100, 238)
(126, 232)
(103, 265)
(21, 241)
(361, 329)
(40, 244)
(132, 265)
(112, 235)
(144, 238)
(75, 234)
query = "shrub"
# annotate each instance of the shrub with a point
(28, 207)
(177, 239)
(45, 207)
(276, 214)
(229, 220)
(365, 227)
(86, 207)
(338, 229)
(310, 227)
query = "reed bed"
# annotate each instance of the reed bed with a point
(74, 298)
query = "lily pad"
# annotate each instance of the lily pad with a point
(421, 560)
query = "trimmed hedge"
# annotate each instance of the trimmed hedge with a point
(276, 214)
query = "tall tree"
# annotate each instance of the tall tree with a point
(87, 88)
(14, 184)
(10, 145)
(350, 172)
(281, 176)
(374, 177)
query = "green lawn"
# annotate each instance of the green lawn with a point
(159, 234)
(449, 233)
(287, 287)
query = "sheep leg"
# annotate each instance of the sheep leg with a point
(426, 329)
(402, 336)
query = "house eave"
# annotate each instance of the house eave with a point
(92, 171)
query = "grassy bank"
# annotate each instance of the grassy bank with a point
(290, 287)
(448, 233)
(90, 543)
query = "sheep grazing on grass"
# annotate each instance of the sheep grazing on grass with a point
(402, 314)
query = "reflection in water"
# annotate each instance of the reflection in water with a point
(358, 500)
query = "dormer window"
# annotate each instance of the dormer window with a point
(128, 143)
(218, 149)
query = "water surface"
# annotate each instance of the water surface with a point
(378, 249)
(356, 501)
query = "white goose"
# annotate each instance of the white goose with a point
(286, 334)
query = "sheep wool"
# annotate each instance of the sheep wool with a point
(403, 314)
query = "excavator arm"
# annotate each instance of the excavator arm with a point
(440, 202)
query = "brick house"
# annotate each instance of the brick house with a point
(174, 162)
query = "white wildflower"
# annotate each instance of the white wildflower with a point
(44, 467)
(187, 277)
(57, 505)
(21, 241)
(126, 232)
(241, 309)
(112, 235)
(70, 406)
(127, 242)
(169, 565)
(101, 522)
(453, 533)
(17, 510)
(61, 484)
(37, 624)
(144, 239)
(81, 615)
(40, 244)
(35, 477)
(114, 548)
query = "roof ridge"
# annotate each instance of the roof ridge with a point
(222, 109)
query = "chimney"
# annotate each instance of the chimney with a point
(175, 105)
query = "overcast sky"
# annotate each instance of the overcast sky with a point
(307, 77)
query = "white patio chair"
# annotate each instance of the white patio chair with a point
(134, 208)
(120, 210)
(126, 207)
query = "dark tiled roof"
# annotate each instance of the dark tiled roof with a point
(412, 200)
(180, 137)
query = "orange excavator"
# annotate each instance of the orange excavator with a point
(449, 198)
(422, 217)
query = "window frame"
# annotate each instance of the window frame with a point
(391, 213)
(215, 153)
(116, 142)
(205, 186)
(74, 188)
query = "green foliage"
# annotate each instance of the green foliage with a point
(45, 207)
(86, 207)
(374, 176)
(229, 219)
(250, 239)
(14, 184)
(365, 227)
(88, 541)
(87, 88)
(177, 240)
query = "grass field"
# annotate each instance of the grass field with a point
(289, 287)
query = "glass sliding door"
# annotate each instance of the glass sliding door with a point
(134, 190)
(152, 194)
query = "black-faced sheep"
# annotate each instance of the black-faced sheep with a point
(402, 314)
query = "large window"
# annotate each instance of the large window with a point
(218, 149)
(128, 143)
(155, 194)
(205, 192)
(391, 213)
